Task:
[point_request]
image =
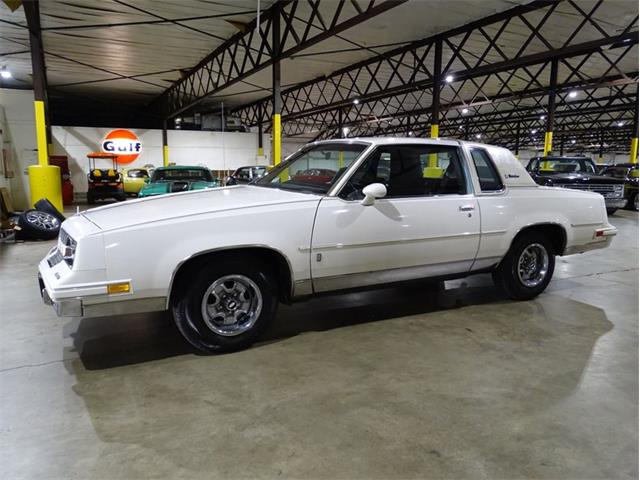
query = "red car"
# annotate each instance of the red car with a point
(314, 175)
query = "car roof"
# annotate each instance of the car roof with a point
(398, 140)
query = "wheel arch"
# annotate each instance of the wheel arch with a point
(272, 256)
(556, 233)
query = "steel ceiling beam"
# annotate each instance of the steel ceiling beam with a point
(411, 66)
(247, 53)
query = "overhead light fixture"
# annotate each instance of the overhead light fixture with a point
(178, 121)
(542, 117)
(534, 131)
(620, 124)
(345, 131)
(573, 141)
(465, 111)
(4, 73)
(478, 136)
(411, 134)
(573, 94)
(449, 78)
(356, 101)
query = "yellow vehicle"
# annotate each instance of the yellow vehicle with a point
(134, 179)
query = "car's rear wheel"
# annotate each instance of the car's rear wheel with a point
(611, 211)
(526, 270)
(634, 202)
(225, 305)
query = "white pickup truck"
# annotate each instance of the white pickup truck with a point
(337, 215)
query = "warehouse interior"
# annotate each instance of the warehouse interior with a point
(437, 379)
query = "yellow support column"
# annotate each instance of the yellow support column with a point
(165, 155)
(548, 142)
(433, 157)
(633, 156)
(277, 139)
(44, 179)
(260, 151)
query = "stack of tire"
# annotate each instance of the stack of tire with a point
(39, 223)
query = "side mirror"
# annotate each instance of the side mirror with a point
(373, 191)
(147, 180)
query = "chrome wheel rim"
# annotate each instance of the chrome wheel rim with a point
(533, 265)
(231, 305)
(43, 220)
(635, 201)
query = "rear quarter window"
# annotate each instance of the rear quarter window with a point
(488, 175)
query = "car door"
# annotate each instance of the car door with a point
(427, 225)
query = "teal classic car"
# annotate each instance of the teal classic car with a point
(178, 179)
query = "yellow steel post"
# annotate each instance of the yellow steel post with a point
(548, 142)
(41, 133)
(277, 139)
(165, 155)
(44, 179)
(433, 157)
(633, 156)
(260, 151)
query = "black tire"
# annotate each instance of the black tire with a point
(633, 202)
(611, 211)
(121, 197)
(37, 225)
(45, 205)
(187, 303)
(90, 198)
(506, 276)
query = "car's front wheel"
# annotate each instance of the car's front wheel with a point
(527, 268)
(225, 305)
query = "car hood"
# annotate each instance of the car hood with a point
(184, 204)
(579, 177)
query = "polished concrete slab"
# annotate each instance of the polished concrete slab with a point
(453, 382)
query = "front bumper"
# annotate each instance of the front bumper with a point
(88, 298)
(75, 307)
(615, 202)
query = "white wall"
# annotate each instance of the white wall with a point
(17, 121)
(215, 150)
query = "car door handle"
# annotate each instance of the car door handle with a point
(466, 208)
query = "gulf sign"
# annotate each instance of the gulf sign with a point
(124, 143)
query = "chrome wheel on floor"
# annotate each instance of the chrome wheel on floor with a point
(43, 220)
(533, 265)
(231, 305)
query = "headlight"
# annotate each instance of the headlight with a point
(619, 188)
(67, 247)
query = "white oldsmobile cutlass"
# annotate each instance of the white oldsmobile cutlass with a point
(338, 214)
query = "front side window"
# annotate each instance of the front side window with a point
(314, 169)
(244, 173)
(486, 170)
(410, 171)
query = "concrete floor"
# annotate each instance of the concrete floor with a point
(456, 383)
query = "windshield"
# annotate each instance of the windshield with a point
(562, 165)
(182, 174)
(314, 169)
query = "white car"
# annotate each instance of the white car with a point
(384, 210)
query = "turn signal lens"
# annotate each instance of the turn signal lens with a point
(119, 288)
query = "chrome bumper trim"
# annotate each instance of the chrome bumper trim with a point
(615, 202)
(75, 307)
